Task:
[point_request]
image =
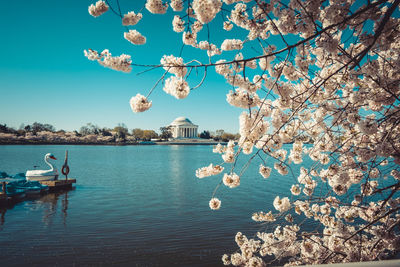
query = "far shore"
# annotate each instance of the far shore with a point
(139, 143)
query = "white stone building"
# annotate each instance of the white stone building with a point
(183, 128)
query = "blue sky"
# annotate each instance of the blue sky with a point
(45, 77)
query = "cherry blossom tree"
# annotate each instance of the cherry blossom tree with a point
(323, 76)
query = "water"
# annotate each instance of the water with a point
(131, 206)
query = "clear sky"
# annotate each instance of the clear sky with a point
(44, 76)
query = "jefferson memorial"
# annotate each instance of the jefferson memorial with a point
(183, 128)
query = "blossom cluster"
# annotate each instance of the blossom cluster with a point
(177, 5)
(231, 44)
(281, 204)
(215, 203)
(156, 6)
(119, 63)
(265, 171)
(228, 152)
(178, 24)
(135, 37)
(211, 49)
(206, 10)
(231, 180)
(252, 128)
(140, 103)
(209, 171)
(131, 18)
(242, 99)
(174, 65)
(176, 87)
(98, 9)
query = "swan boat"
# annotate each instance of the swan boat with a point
(43, 175)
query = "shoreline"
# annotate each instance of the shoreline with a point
(144, 143)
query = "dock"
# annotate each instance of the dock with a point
(59, 184)
(53, 186)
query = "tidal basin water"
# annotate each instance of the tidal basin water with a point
(131, 206)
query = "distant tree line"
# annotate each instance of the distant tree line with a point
(34, 128)
(91, 133)
(219, 135)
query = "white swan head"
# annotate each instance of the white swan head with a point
(49, 156)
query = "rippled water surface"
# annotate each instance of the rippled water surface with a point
(131, 206)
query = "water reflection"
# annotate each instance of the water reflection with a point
(3, 211)
(136, 205)
(177, 172)
(48, 203)
(64, 207)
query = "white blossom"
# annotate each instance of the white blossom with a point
(281, 205)
(206, 10)
(295, 189)
(242, 99)
(239, 15)
(178, 24)
(282, 169)
(176, 5)
(228, 25)
(228, 156)
(174, 65)
(219, 149)
(221, 68)
(189, 38)
(196, 26)
(263, 217)
(231, 180)
(209, 171)
(265, 171)
(139, 103)
(226, 259)
(91, 54)
(215, 203)
(135, 37)
(131, 18)
(231, 44)
(156, 6)
(176, 87)
(98, 9)
(119, 63)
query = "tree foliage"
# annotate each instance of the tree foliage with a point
(165, 132)
(205, 135)
(38, 127)
(137, 134)
(121, 131)
(89, 128)
(325, 72)
(144, 135)
(5, 129)
(149, 134)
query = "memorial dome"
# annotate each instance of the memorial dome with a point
(182, 127)
(181, 121)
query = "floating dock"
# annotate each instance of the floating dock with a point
(59, 184)
(53, 186)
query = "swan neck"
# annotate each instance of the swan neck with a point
(48, 163)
